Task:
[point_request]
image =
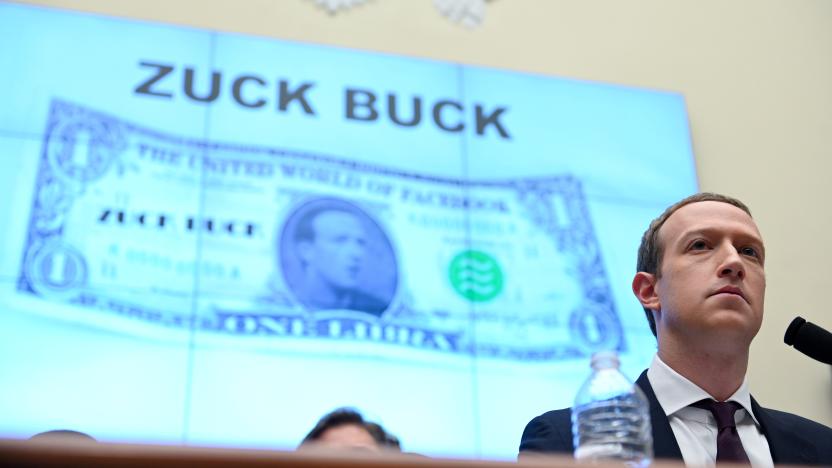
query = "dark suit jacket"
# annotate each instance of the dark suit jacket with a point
(792, 439)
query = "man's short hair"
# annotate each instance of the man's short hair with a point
(384, 438)
(651, 251)
(305, 228)
(345, 416)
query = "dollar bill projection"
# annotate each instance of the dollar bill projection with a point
(214, 239)
(294, 245)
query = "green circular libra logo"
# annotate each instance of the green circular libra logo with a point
(476, 276)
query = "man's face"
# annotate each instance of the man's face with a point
(348, 436)
(338, 249)
(712, 281)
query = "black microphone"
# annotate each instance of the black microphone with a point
(810, 340)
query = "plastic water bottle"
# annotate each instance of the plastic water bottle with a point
(611, 416)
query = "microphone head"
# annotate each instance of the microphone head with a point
(791, 332)
(810, 340)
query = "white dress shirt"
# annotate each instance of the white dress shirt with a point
(694, 428)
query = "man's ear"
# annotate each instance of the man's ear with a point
(644, 287)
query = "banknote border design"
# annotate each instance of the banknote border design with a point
(593, 325)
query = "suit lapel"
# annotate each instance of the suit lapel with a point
(664, 442)
(786, 443)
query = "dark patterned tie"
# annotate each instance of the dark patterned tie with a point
(728, 444)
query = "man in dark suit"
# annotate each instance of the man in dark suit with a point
(701, 281)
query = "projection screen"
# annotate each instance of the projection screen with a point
(214, 239)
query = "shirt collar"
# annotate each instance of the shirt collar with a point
(675, 392)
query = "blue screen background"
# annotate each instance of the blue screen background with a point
(185, 336)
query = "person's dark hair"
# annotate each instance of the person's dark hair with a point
(305, 228)
(63, 435)
(344, 416)
(384, 438)
(650, 251)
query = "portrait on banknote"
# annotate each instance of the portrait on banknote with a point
(334, 256)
